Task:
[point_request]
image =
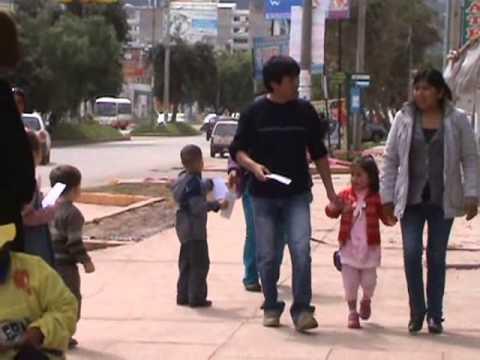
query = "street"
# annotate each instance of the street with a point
(138, 158)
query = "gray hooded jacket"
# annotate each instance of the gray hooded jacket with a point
(190, 194)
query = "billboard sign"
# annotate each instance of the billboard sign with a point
(339, 9)
(266, 47)
(194, 22)
(471, 19)
(280, 9)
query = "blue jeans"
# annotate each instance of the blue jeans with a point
(270, 214)
(439, 228)
(249, 250)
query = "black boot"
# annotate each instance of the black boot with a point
(435, 326)
(416, 324)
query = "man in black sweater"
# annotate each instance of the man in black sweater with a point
(273, 137)
(17, 182)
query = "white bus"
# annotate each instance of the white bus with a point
(115, 112)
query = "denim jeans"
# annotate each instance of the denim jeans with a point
(439, 228)
(270, 214)
(249, 250)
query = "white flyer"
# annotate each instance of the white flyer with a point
(231, 198)
(281, 179)
(220, 189)
(53, 195)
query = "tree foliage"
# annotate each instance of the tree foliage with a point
(394, 30)
(67, 59)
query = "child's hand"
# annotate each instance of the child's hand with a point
(89, 267)
(347, 207)
(224, 204)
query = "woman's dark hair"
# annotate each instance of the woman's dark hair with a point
(368, 164)
(277, 68)
(434, 78)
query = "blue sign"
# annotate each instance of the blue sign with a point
(280, 9)
(355, 100)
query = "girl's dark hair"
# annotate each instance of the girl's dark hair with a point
(368, 164)
(9, 43)
(434, 78)
(277, 68)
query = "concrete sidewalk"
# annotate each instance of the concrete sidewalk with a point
(129, 309)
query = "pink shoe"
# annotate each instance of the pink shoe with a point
(353, 321)
(365, 309)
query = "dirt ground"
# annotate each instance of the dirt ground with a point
(136, 224)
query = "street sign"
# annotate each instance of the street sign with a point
(361, 80)
(355, 99)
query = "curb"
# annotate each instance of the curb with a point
(107, 199)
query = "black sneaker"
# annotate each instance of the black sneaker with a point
(72, 344)
(203, 304)
(415, 324)
(255, 287)
(435, 326)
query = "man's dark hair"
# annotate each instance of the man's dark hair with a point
(190, 154)
(277, 68)
(68, 175)
(368, 164)
(33, 141)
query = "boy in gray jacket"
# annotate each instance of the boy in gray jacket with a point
(190, 193)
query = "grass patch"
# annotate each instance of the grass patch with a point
(88, 132)
(172, 129)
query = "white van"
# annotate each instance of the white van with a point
(115, 112)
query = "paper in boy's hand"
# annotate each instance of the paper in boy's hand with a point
(220, 189)
(227, 213)
(281, 179)
(53, 195)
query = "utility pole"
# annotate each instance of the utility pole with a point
(454, 24)
(166, 75)
(359, 67)
(306, 54)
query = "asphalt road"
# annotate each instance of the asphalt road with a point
(138, 158)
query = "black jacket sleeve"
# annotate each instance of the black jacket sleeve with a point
(15, 150)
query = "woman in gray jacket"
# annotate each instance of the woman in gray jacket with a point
(430, 175)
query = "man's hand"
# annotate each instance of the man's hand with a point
(33, 337)
(89, 267)
(260, 171)
(389, 213)
(335, 200)
(233, 180)
(471, 208)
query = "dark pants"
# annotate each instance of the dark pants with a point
(413, 223)
(30, 353)
(71, 278)
(193, 264)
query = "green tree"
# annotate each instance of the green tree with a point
(395, 29)
(192, 73)
(68, 61)
(235, 82)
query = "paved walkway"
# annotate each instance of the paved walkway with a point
(129, 307)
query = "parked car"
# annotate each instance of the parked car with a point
(374, 132)
(34, 122)
(222, 137)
